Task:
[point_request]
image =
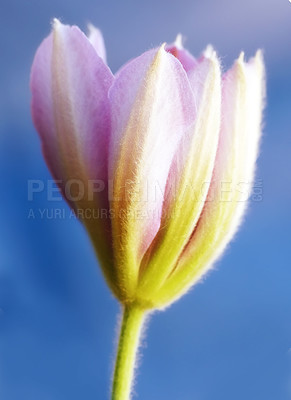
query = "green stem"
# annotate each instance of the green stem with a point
(130, 332)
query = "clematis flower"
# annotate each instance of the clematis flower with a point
(146, 154)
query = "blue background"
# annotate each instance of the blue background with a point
(229, 338)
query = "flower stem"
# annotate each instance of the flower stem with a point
(130, 332)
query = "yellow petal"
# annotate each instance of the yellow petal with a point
(190, 179)
(243, 101)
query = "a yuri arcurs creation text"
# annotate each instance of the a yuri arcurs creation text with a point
(162, 138)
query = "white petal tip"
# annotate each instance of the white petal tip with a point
(241, 57)
(258, 62)
(256, 59)
(162, 47)
(179, 41)
(259, 56)
(209, 52)
(92, 28)
(56, 23)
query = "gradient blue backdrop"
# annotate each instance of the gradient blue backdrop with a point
(229, 338)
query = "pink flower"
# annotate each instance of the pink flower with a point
(142, 156)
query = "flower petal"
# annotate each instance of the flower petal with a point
(96, 39)
(70, 109)
(152, 106)
(189, 179)
(243, 101)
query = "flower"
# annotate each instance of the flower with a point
(154, 159)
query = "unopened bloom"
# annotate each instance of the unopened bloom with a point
(163, 150)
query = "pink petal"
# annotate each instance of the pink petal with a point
(152, 106)
(70, 109)
(183, 55)
(189, 179)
